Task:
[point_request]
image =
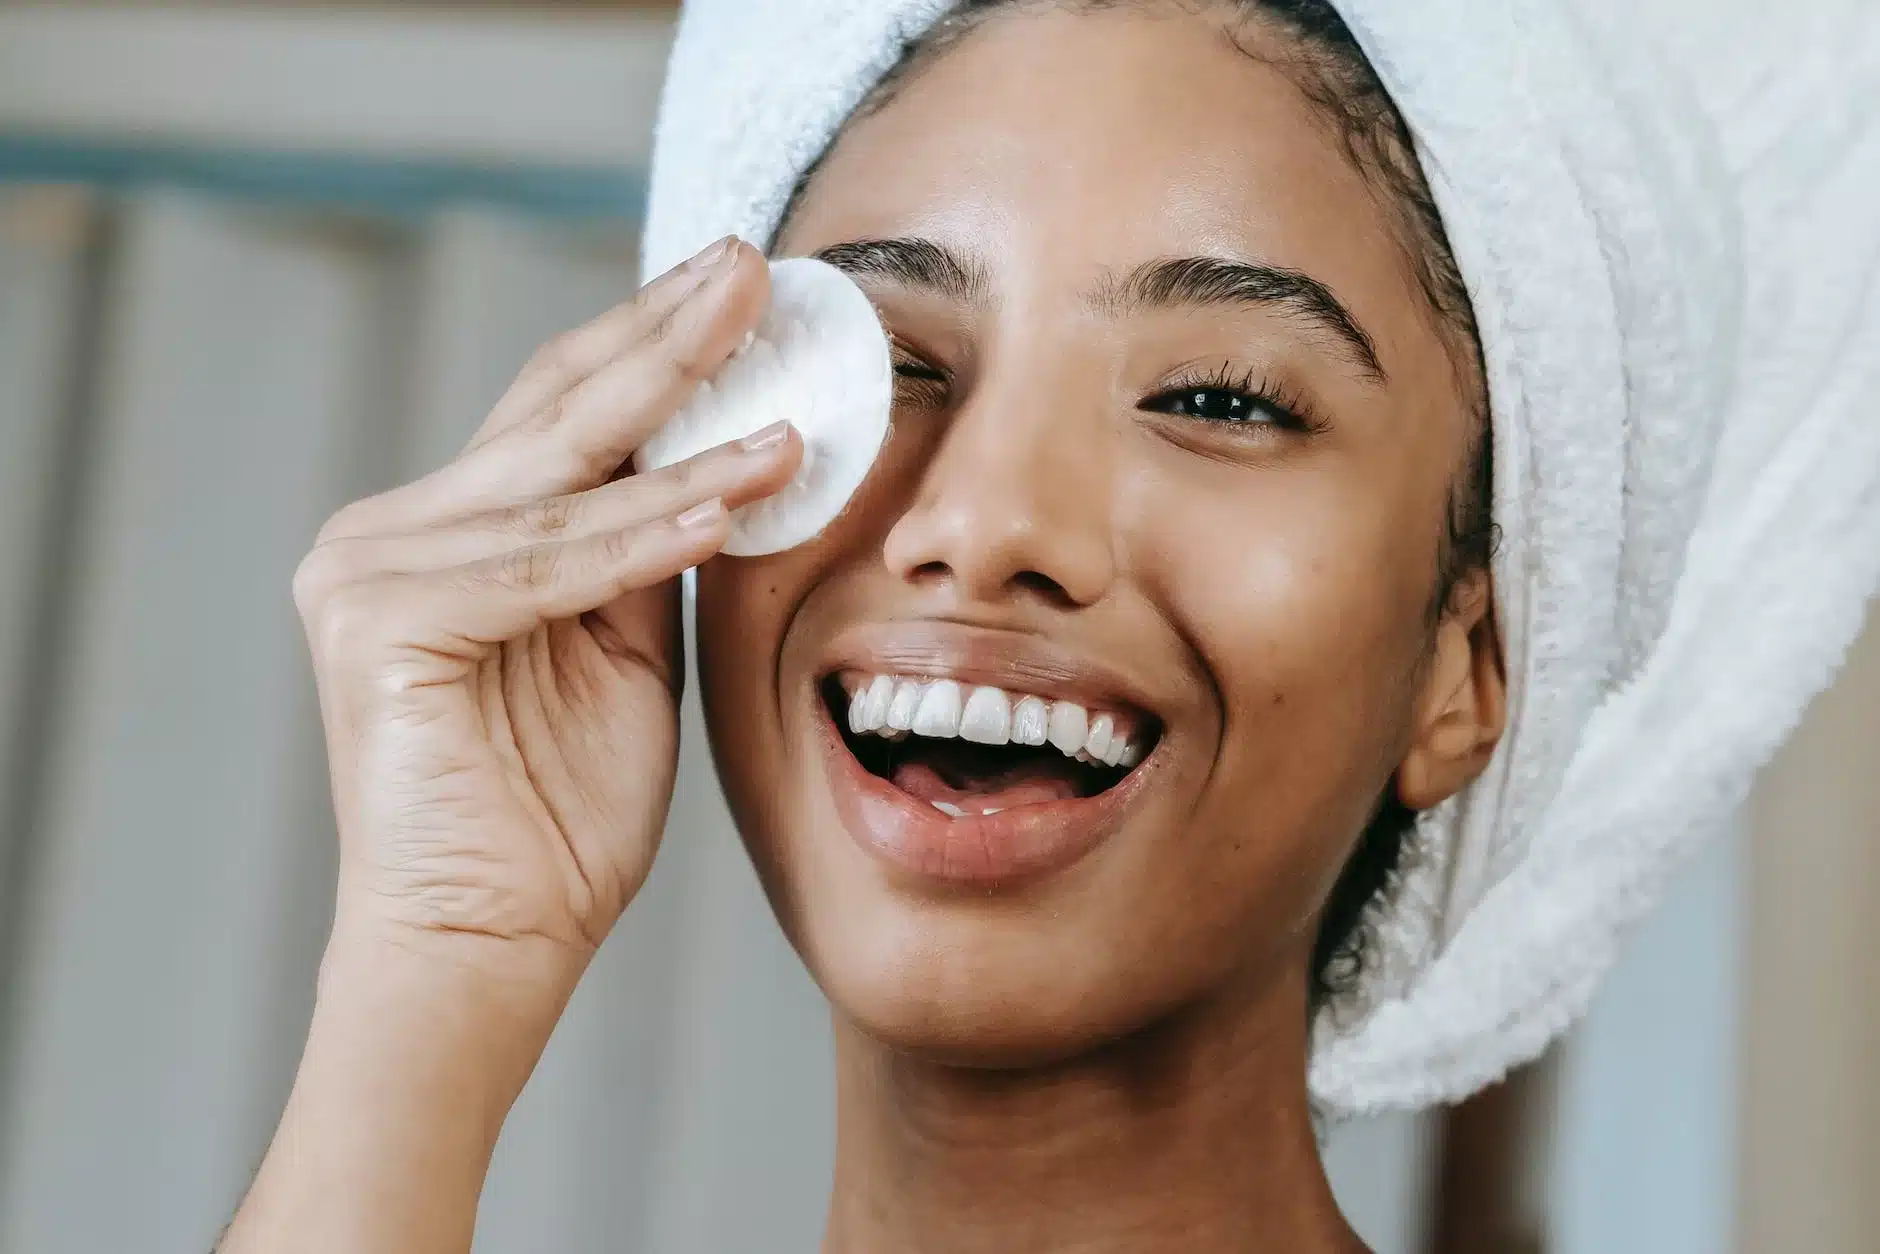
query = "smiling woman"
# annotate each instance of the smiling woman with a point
(1180, 471)
(1156, 752)
(1102, 418)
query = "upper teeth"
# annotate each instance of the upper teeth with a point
(889, 706)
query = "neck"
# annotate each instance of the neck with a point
(1194, 1135)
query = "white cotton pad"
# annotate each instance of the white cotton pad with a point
(821, 360)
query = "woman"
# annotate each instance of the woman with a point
(1192, 455)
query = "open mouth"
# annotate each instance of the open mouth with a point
(974, 752)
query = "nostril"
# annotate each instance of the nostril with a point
(1044, 586)
(1033, 582)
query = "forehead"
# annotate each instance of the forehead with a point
(1075, 141)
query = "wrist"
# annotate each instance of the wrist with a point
(484, 1022)
(513, 986)
(472, 1013)
(418, 1048)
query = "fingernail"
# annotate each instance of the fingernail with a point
(712, 254)
(702, 515)
(691, 273)
(768, 437)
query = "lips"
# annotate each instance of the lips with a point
(942, 815)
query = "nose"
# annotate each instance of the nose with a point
(1015, 502)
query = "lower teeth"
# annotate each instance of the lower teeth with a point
(953, 811)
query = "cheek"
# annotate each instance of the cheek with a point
(743, 609)
(1308, 612)
(740, 604)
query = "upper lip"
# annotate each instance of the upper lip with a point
(1016, 661)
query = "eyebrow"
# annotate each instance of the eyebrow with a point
(1191, 282)
(918, 263)
(1201, 282)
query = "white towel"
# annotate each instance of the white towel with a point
(1670, 229)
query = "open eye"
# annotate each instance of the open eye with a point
(1232, 399)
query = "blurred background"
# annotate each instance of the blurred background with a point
(258, 260)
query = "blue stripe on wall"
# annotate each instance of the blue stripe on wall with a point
(328, 180)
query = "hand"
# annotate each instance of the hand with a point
(497, 653)
(497, 645)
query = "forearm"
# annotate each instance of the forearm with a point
(411, 1066)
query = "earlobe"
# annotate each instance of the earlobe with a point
(1463, 704)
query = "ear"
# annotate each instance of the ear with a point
(1462, 706)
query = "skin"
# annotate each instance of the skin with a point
(1110, 1056)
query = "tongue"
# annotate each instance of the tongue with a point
(1017, 787)
(965, 778)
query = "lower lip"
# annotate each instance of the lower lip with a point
(1023, 842)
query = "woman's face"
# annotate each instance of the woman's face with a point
(1174, 440)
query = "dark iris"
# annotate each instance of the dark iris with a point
(1214, 404)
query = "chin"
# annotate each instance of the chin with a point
(957, 988)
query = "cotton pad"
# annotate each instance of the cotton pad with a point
(821, 360)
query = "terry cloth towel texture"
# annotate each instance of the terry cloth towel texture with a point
(1668, 218)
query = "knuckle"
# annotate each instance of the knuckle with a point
(311, 582)
(586, 458)
(659, 330)
(513, 520)
(620, 547)
(573, 453)
(530, 568)
(349, 617)
(550, 414)
(555, 516)
(681, 476)
(343, 522)
(553, 358)
(687, 365)
(329, 565)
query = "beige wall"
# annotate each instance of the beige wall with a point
(1811, 1132)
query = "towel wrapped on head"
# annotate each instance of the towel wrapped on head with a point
(1670, 234)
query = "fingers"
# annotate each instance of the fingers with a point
(581, 435)
(456, 613)
(735, 473)
(584, 436)
(569, 359)
(566, 428)
(452, 591)
(497, 598)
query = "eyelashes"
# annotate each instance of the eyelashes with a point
(1245, 401)
(1229, 398)
(916, 381)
